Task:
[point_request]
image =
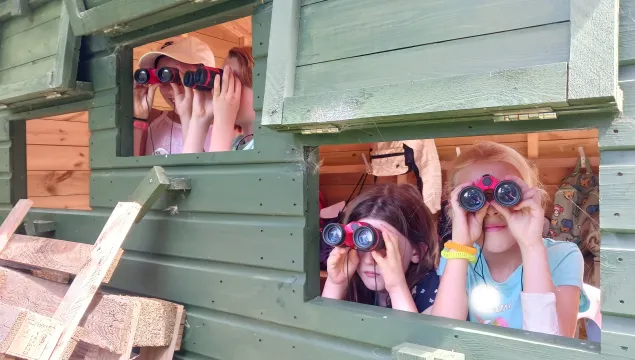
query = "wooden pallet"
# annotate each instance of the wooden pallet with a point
(41, 319)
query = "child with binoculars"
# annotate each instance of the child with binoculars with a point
(498, 269)
(162, 133)
(387, 252)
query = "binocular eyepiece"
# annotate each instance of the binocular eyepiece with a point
(357, 235)
(507, 193)
(164, 75)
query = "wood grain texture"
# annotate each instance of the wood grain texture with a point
(50, 254)
(593, 63)
(617, 337)
(481, 93)
(332, 30)
(81, 291)
(59, 133)
(474, 55)
(13, 221)
(75, 202)
(149, 190)
(57, 183)
(283, 46)
(48, 12)
(165, 352)
(615, 181)
(57, 158)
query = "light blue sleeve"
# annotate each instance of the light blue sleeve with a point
(566, 263)
(441, 266)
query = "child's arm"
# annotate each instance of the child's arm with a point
(451, 300)
(340, 266)
(226, 104)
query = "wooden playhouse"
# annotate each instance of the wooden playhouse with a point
(233, 237)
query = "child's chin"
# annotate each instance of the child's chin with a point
(372, 285)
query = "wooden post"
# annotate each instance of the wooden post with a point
(13, 220)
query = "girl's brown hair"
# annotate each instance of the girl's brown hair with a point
(402, 206)
(246, 61)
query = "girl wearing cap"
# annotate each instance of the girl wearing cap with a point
(229, 106)
(163, 132)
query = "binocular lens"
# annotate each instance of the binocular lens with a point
(165, 75)
(141, 76)
(364, 238)
(333, 234)
(188, 79)
(507, 193)
(472, 198)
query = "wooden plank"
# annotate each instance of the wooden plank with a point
(281, 60)
(53, 255)
(51, 132)
(615, 181)
(49, 11)
(509, 88)
(108, 322)
(617, 336)
(83, 288)
(222, 32)
(334, 30)
(627, 32)
(13, 54)
(58, 183)
(476, 55)
(261, 23)
(593, 63)
(81, 116)
(13, 221)
(75, 202)
(164, 352)
(57, 158)
(67, 55)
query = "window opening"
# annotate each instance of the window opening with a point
(181, 70)
(566, 166)
(58, 169)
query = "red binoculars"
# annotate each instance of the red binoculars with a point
(357, 235)
(507, 193)
(203, 78)
(163, 75)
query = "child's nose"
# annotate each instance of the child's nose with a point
(491, 211)
(366, 258)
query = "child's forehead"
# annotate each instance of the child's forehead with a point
(476, 170)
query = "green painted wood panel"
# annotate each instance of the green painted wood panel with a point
(50, 11)
(617, 336)
(254, 189)
(13, 52)
(545, 84)
(476, 55)
(627, 32)
(333, 30)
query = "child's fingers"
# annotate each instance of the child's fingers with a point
(480, 215)
(176, 90)
(237, 89)
(217, 89)
(520, 182)
(381, 261)
(226, 80)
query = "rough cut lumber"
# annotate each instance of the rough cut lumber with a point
(80, 294)
(108, 322)
(55, 257)
(13, 220)
(165, 352)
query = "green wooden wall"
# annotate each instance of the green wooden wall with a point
(241, 249)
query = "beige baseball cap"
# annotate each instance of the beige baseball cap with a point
(189, 50)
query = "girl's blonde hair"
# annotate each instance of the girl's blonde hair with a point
(495, 152)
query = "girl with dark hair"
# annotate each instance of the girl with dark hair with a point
(402, 275)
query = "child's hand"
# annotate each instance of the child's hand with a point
(183, 98)
(143, 98)
(390, 265)
(202, 108)
(525, 221)
(340, 266)
(227, 98)
(467, 227)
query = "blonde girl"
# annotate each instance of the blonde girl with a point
(498, 269)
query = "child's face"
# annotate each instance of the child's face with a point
(497, 236)
(369, 271)
(166, 89)
(246, 113)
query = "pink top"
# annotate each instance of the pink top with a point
(165, 137)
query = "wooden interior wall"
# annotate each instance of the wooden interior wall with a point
(220, 38)
(58, 173)
(554, 153)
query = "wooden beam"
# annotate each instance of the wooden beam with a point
(150, 189)
(83, 288)
(13, 220)
(55, 257)
(165, 352)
